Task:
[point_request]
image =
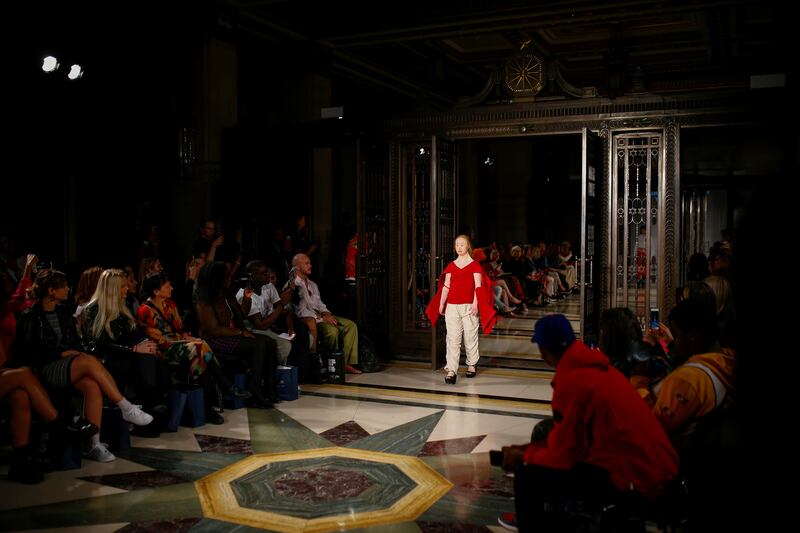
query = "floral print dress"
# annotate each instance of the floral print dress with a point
(187, 360)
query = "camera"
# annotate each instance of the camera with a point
(495, 457)
(245, 283)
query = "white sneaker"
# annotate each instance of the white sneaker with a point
(135, 415)
(100, 453)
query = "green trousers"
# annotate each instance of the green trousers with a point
(344, 337)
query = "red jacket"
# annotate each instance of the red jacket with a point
(602, 421)
(485, 303)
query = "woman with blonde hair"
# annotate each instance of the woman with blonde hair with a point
(111, 333)
(466, 299)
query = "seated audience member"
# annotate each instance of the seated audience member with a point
(110, 332)
(48, 340)
(222, 325)
(605, 447)
(266, 307)
(12, 302)
(147, 266)
(697, 268)
(87, 284)
(132, 296)
(24, 395)
(190, 360)
(334, 331)
(702, 380)
(622, 341)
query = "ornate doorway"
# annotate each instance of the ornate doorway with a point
(637, 226)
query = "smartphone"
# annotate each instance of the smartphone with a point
(654, 321)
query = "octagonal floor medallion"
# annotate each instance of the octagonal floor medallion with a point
(324, 489)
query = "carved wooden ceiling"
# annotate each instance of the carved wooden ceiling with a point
(445, 51)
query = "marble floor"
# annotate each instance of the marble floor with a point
(397, 450)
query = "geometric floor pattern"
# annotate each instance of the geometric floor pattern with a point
(393, 451)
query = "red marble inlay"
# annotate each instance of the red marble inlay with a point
(346, 433)
(136, 480)
(209, 443)
(325, 484)
(451, 446)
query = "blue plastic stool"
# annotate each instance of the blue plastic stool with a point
(186, 408)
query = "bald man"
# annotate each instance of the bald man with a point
(334, 331)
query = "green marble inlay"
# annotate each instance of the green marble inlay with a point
(273, 431)
(406, 439)
(190, 466)
(163, 503)
(388, 484)
(481, 510)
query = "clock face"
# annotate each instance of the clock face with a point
(524, 74)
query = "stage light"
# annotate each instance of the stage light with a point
(50, 64)
(75, 72)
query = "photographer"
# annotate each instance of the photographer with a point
(605, 447)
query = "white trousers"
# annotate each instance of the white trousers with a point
(460, 321)
(284, 345)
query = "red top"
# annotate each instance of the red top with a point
(485, 302)
(601, 421)
(462, 282)
(350, 258)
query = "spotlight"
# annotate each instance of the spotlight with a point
(49, 64)
(422, 151)
(75, 72)
(489, 162)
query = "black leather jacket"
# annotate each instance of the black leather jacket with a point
(126, 336)
(37, 344)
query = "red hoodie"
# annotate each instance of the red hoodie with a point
(602, 421)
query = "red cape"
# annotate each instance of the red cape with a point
(485, 303)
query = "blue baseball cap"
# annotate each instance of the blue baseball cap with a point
(553, 332)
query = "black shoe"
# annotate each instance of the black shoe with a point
(450, 378)
(79, 430)
(239, 394)
(473, 373)
(213, 417)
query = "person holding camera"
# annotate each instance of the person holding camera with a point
(605, 447)
(266, 306)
